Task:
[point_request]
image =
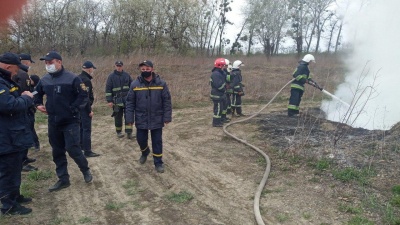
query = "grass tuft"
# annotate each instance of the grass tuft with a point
(40, 175)
(358, 220)
(181, 197)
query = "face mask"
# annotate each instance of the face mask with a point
(146, 74)
(51, 68)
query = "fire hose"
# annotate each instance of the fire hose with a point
(257, 196)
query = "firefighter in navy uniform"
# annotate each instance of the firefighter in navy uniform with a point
(117, 87)
(238, 91)
(218, 88)
(229, 90)
(148, 106)
(86, 111)
(15, 135)
(65, 96)
(302, 76)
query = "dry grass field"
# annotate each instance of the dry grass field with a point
(210, 178)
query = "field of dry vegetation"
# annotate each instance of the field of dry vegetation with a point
(211, 179)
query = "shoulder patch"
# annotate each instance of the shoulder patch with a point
(83, 86)
(2, 91)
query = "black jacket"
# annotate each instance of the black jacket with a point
(301, 75)
(15, 136)
(217, 82)
(23, 81)
(237, 81)
(117, 87)
(65, 96)
(148, 104)
(86, 79)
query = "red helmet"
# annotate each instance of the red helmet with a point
(219, 63)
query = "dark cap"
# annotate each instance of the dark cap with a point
(146, 63)
(51, 55)
(88, 64)
(13, 59)
(24, 56)
(119, 63)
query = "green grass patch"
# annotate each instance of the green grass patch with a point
(321, 165)
(348, 174)
(131, 187)
(84, 220)
(261, 161)
(396, 189)
(350, 209)
(40, 118)
(390, 216)
(306, 215)
(358, 220)
(114, 206)
(27, 189)
(181, 197)
(395, 201)
(282, 217)
(40, 175)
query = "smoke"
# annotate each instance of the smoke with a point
(8, 8)
(372, 84)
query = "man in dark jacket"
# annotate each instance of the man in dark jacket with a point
(86, 111)
(65, 96)
(218, 87)
(24, 82)
(15, 136)
(302, 76)
(117, 88)
(148, 106)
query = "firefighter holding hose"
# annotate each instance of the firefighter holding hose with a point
(301, 76)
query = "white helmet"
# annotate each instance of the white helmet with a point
(227, 62)
(237, 64)
(229, 68)
(307, 58)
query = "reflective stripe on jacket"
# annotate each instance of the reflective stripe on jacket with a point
(301, 75)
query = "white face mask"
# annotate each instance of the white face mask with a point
(51, 68)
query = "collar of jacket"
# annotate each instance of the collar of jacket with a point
(5, 74)
(155, 79)
(58, 73)
(86, 74)
(118, 73)
(217, 69)
(303, 63)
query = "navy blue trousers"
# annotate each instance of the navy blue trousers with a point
(86, 131)
(142, 137)
(66, 138)
(10, 179)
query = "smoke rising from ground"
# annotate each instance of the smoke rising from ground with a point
(372, 84)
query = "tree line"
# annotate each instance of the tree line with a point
(186, 27)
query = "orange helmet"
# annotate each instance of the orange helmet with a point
(219, 63)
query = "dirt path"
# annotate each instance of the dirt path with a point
(219, 173)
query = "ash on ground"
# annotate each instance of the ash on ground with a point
(311, 135)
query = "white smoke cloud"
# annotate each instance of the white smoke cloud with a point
(375, 34)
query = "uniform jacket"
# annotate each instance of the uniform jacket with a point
(117, 86)
(301, 75)
(65, 96)
(148, 104)
(217, 82)
(229, 87)
(23, 81)
(14, 134)
(86, 79)
(237, 81)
